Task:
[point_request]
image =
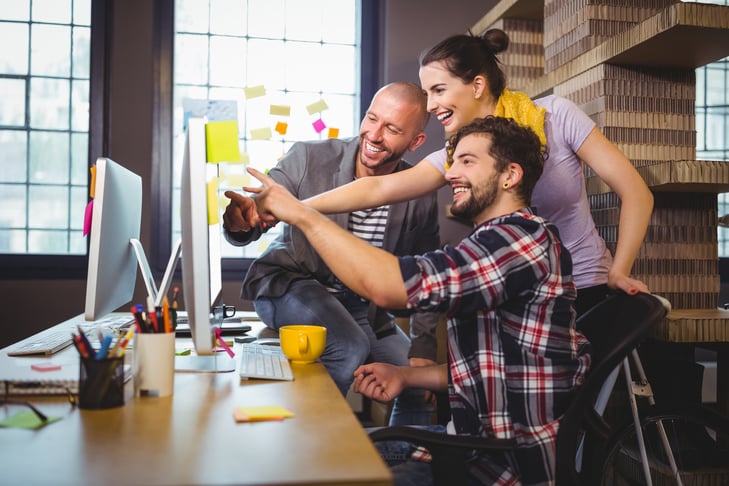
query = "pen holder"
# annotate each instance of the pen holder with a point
(154, 364)
(101, 383)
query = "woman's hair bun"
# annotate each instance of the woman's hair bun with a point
(496, 39)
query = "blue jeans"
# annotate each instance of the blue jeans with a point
(406, 472)
(350, 340)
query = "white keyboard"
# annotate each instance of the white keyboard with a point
(45, 344)
(264, 362)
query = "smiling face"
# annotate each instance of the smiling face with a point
(390, 128)
(453, 102)
(474, 179)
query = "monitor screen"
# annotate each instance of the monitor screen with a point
(116, 217)
(201, 240)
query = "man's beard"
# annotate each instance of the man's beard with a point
(384, 162)
(482, 196)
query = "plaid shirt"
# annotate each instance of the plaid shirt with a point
(513, 351)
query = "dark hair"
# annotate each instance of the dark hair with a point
(510, 142)
(466, 56)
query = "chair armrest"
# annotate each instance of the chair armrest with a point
(430, 439)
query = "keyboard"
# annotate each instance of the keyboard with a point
(45, 344)
(264, 362)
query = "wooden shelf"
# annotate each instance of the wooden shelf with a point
(695, 326)
(684, 35)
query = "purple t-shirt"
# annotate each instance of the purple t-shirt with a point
(560, 195)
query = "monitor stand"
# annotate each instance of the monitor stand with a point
(164, 286)
(204, 364)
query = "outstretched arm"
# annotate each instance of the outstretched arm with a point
(369, 271)
(375, 191)
(615, 169)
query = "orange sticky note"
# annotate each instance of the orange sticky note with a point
(262, 412)
(221, 141)
(333, 133)
(282, 127)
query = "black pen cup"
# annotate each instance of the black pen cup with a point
(101, 383)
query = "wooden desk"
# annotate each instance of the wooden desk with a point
(191, 437)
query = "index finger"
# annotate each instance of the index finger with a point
(263, 178)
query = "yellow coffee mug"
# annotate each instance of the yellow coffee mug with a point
(303, 343)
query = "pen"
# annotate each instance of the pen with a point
(174, 307)
(79, 344)
(166, 315)
(86, 343)
(125, 341)
(151, 313)
(104, 347)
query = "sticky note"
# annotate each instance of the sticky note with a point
(254, 91)
(237, 180)
(26, 420)
(280, 110)
(316, 107)
(333, 133)
(263, 412)
(282, 127)
(261, 133)
(213, 208)
(221, 141)
(92, 184)
(88, 213)
(319, 125)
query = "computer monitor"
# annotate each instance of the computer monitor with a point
(201, 258)
(116, 218)
(114, 247)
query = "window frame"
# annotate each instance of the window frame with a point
(52, 267)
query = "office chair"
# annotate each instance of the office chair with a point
(615, 327)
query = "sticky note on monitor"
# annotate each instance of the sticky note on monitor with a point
(213, 202)
(221, 140)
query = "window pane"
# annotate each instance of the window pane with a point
(50, 50)
(49, 103)
(80, 106)
(11, 241)
(227, 66)
(191, 59)
(16, 10)
(14, 61)
(261, 71)
(49, 162)
(304, 20)
(228, 17)
(79, 199)
(55, 11)
(81, 13)
(13, 210)
(80, 159)
(49, 206)
(14, 160)
(12, 100)
(265, 18)
(340, 19)
(47, 241)
(81, 52)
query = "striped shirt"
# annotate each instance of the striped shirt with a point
(370, 224)
(513, 352)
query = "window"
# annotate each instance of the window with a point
(44, 125)
(269, 62)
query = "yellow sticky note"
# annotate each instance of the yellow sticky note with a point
(280, 110)
(254, 91)
(333, 133)
(261, 133)
(282, 128)
(92, 184)
(213, 207)
(263, 412)
(316, 107)
(237, 180)
(245, 158)
(221, 141)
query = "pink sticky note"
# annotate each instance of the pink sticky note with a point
(319, 125)
(87, 217)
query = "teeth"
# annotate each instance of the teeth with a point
(372, 148)
(445, 115)
(458, 190)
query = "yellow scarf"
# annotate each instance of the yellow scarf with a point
(519, 107)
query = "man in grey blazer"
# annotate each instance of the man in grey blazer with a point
(290, 284)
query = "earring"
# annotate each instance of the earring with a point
(506, 185)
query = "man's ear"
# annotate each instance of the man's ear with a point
(417, 141)
(514, 174)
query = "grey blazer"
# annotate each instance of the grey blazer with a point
(310, 168)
